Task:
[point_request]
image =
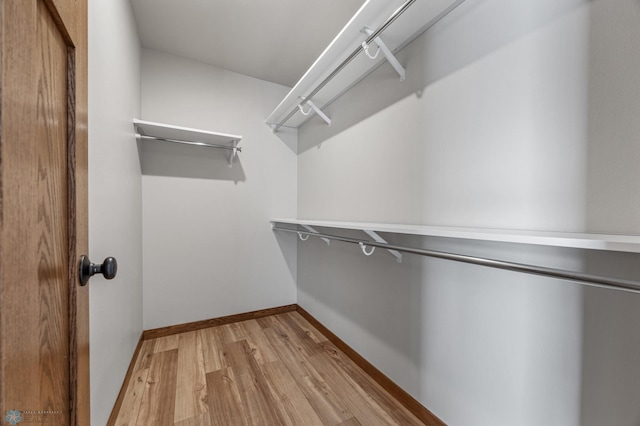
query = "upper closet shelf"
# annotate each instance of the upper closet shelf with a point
(620, 243)
(378, 29)
(148, 130)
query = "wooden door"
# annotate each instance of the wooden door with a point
(44, 330)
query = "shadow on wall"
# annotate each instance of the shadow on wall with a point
(563, 353)
(558, 351)
(289, 136)
(289, 250)
(174, 160)
(611, 336)
(452, 44)
(610, 387)
(373, 298)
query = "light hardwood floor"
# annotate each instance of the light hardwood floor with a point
(276, 370)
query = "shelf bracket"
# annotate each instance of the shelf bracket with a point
(317, 110)
(386, 52)
(379, 239)
(310, 229)
(234, 153)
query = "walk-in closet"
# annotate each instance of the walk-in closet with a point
(438, 198)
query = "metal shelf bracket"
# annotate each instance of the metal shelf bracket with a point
(310, 229)
(313, 107)
(385, 51)
(379, 239)
(234, 152)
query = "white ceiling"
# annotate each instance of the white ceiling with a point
(274, 40)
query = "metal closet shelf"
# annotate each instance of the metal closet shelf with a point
(623, 243)
(148, 130)
(341, 66)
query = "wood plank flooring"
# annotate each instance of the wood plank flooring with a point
(276, 370)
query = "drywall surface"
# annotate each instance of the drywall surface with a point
(208, 246)
(514, 114)
(115, 192)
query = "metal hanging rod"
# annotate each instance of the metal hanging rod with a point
(210, 145)
(588, 279)
(395, 15)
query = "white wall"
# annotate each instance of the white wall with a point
(115, 207)
(525, 117)
(208, 246)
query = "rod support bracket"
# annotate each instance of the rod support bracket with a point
(377, 238)
(363, 246)
(302, 238)
(315, 109)
(310, 229)
(385, 51)
(234, 153)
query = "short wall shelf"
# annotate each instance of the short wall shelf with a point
(620, 243)
(148, 130)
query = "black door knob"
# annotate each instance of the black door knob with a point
(108, 268)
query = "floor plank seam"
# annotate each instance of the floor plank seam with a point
(284, 368)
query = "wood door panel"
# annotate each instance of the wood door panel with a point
(64, 12)
(36, 290)
(52, 213)
(40, 193)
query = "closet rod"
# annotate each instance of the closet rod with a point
(395, 15)
(592, 280)
(210, 145)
